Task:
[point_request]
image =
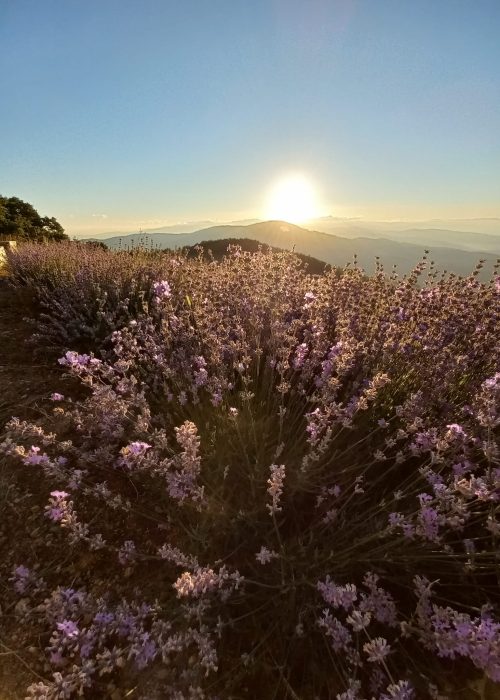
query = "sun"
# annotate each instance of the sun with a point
(292, 199)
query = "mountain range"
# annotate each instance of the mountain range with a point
(338, 249)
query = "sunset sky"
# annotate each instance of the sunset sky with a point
(120, 114)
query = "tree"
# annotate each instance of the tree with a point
(95, 244)
(21, 221)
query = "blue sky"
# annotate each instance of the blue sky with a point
(121, 113)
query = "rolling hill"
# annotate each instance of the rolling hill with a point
(217, 249)
(469, 234)
(332, 249)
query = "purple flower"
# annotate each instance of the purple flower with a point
(21, 577)
(492, 382)
(127, 553)
(162, 289)
(399, 691)
(378, 602)
(339, 634)
(68, 629)
(377, 649)
(56, 397)
(144, 650)
(429, 521)
(33, 457)
(216, 399)
(205, 580)
(352, 693)
(133, 453)
(338, 596)
(300, 355)
(456, 430)
(138, 448)
(265, 555)
(73, 359)
(359, 620)
(275, 488)
(104, 618)
(59, 495)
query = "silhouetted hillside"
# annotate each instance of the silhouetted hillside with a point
(218, 249)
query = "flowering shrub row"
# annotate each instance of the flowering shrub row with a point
(81, 293)
(298, 475)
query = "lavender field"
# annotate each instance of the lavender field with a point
(247, 481)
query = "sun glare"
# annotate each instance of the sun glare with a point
(292, 199)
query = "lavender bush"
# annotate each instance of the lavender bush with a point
(81, 293)
(298, 478)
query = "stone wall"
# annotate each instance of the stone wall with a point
(4, 245)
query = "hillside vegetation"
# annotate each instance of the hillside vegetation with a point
(20, 221)
(217, 250)
(253, 481)
(336, 250)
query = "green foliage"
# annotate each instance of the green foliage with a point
(20, 221)
(95, 244)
